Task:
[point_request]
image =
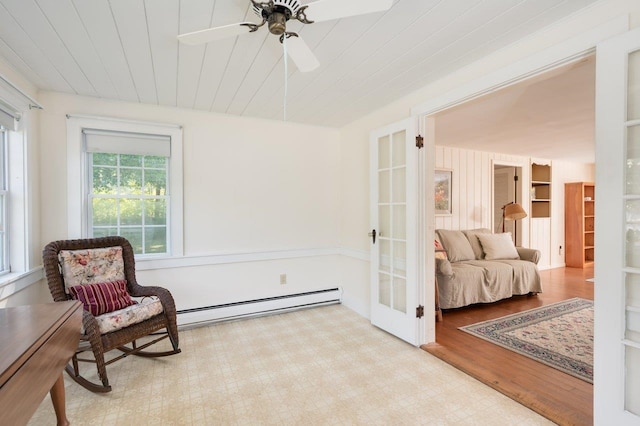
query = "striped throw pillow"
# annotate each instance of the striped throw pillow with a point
(100, 298)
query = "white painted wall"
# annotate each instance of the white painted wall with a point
(251, 188)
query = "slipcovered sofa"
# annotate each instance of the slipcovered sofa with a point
(480, 267)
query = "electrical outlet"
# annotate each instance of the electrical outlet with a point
(560, 250)
(283, 279)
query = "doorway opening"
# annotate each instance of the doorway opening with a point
(507, 189)
(493, 139)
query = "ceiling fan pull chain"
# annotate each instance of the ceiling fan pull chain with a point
(286, 75)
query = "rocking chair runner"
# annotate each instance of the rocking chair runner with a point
(100, 342)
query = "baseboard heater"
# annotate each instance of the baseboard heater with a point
(250, 308)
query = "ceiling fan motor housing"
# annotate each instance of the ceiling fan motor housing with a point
(277, 15)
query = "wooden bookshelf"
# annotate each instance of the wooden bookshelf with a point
(579, 218)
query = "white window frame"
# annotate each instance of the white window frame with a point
(18, 274)
(78, 177)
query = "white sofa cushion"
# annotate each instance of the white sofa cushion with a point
(498, 246)
(471, 235)
(457, 245)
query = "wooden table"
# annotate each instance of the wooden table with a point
(37, 342)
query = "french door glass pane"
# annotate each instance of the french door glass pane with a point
(399, 154)
(385, 255)
(384, 289)
(633, 95)
(633, 161)
(384, 221)
(632, 385)
(400, 258)
(399, 222)
(384, 159)
(632, 303)
(384, 186)
(399, 185)
(400, 294)
(632, 231)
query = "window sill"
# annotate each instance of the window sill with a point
(13, 282)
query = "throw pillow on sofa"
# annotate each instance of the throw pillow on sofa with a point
(498, 246)
(456, 245)
(472, 236)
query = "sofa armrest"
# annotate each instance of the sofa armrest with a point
(443, 267)
(531, 255)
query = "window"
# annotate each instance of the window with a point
(125, 176)
(128, 188)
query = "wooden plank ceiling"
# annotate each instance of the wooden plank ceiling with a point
(127, 50)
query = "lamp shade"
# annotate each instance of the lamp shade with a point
(514, 211)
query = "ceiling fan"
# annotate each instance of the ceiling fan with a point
(276, 13)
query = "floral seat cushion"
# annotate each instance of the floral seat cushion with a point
(145, 309)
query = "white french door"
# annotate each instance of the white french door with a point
(394, 292)
(617, 231)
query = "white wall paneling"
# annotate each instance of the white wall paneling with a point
(540, 238)
(472, 194)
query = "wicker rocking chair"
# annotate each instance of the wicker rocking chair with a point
(96, 336)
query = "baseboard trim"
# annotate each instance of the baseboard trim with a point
(250, 308)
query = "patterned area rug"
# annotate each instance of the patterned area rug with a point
(559, 335)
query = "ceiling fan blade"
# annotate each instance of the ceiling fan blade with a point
(325, 10)
(216, 33)
(301, 55)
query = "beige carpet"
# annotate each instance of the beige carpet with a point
(314, 367)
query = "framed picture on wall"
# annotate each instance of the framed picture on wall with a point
(443, 192)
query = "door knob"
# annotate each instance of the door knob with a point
(372, 234)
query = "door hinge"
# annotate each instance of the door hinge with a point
(420, 311)
(419, 141)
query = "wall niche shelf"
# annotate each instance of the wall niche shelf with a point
(540, 190)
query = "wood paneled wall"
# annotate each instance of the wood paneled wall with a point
(471, 190)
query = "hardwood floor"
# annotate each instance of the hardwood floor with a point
(561, 398)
